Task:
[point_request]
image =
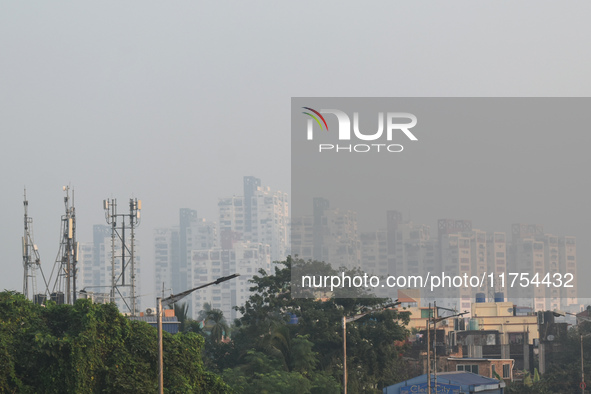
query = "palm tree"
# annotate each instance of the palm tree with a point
(214, 318)
(203, 313)
(181, 311)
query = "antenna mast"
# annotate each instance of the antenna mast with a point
(64, 284)
(31, 259)
(124, 251)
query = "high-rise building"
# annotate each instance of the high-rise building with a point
(567, 255)
(329, 235)
(543, 257)
(85, 276)
(172, 251)
(180, 270)
(496, 258)
(166, 254)
(374, 252)
(245, 258)
(253, 231)
(260, 216)
(302, 237)
(456, 260)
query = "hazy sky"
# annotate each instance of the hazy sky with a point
(174, 103)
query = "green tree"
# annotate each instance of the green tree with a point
(313, 347)
(216, 323)
(181, 311)
(88, 348)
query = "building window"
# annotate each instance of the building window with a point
(506, 371)
(468, 368)
(515, 337)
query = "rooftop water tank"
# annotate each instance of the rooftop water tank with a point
(480, 297)
(499, 297)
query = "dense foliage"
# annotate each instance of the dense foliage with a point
(92, 348)
(269, 355)
(563, 373)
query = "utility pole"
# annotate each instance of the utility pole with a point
(558, 313)
(349, 320)
(429, 351)
(160, 352)
(345, 354)
(435, 320)
(435, 316)
(169, 301)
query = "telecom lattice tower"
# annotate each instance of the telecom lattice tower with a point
(64, 268)
(123, 250)
(31, 260)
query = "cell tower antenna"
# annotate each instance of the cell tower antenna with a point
(123, 276)
(63, 274)
(31, 259)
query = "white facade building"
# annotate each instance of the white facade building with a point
(244, 258)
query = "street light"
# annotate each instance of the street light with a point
(559, 313)
(352, 319)
(169, 301)
(435, 320)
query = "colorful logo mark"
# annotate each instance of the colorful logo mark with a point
(315, 118)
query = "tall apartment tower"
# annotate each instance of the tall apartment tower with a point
(251, 186)
(331, 234)
(544, 256)
(259, 216)
(374, 252)
(166, 256)
(187, 217)
(302, 237)
(527, 256)
(414, 249)
(567, 255)
(496, 258)
(455, 259)
(173, 248)
(478, 258)
(244, 257)
(86, 275)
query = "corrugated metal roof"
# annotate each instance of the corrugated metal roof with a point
(466, 378)
(152, 319)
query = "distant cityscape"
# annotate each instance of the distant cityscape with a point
(402, 247)
(254, 229)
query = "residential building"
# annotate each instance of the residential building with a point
(261, 215)
(245, 258)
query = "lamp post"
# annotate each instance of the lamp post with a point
(583, 385)
(352, 319)
(169, 301)
(435, 320)
(559, 313)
